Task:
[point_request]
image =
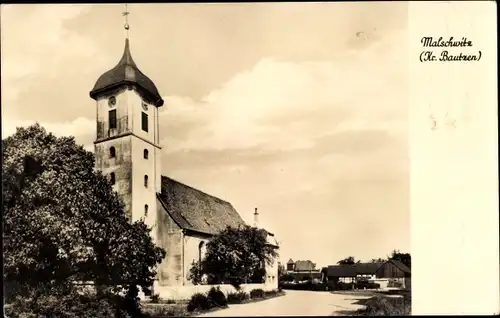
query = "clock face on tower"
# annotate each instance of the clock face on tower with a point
(144, 106)
(112, 101)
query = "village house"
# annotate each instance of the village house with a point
(128, 150)
(302, 270)
(389, 274)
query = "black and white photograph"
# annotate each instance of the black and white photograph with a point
(209, 159)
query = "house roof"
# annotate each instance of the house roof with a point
(195, 210)
(126, 72)
(367, 268)
(290, 261)
(342, 271)
(401, 266)
(353, 270)
(304, 266)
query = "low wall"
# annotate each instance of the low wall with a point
(185, 292)
(383, 282)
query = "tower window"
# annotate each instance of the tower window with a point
(144, 121)
(146, 154)
(112, 178)
(146, 210)
(146, 181)
(112, 152)
(112, 119)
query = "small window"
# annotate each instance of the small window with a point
(112, 119)
(146, 154)
(112, 152)
(146, 210)
(112, 178)
(145, 122)
(146, 181)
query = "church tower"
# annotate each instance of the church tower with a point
(127, 146)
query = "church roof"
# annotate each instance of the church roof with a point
(195, 210)
(127, 72)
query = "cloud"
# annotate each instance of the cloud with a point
(43, 62)
(326, 139)
(46, 21)
(283, 105)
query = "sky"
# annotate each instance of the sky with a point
(298, 109)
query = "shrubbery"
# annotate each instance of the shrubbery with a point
(384, 306)
(256, 293)
(72, 305)
(270, 293)
(155, 298)
(217, 297)
(198, 301)
(237, 298)
(214, 298)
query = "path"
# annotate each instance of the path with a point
(294, 303)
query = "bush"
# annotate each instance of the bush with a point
(237, 298)
(383, 306)
(216, 297)
(72, 305)
(270, 293)
(256, 293)
(286, 278)
(155, 298)
(165, 311)
(198, 302)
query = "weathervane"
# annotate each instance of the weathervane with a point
(125, 14)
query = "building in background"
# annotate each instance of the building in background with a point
(388, 274)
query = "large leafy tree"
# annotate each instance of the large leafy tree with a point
(404, 258)
(237, 255)
(347, 261)
(64, 223)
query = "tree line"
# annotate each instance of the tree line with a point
(404, 258)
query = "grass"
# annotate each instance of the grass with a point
(381, 305)
(165, 310)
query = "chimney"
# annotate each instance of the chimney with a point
(256, 218)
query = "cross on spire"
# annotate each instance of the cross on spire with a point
(125, 14)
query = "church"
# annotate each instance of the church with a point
(128, 150)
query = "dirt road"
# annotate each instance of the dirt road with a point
(294, 303)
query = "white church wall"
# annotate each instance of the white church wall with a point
(191, 253)
(142, 195)
(169, 237)
(272, 274)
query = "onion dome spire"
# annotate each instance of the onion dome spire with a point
(126, 73)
